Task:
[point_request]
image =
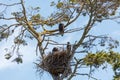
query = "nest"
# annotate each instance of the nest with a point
(57, 63)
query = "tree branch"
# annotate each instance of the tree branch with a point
(9, 4)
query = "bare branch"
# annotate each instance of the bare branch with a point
(69, 22)
(7, 18)
(86, 75)
(1, 4)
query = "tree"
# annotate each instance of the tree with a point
(32, 25)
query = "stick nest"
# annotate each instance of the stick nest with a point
(57, 63)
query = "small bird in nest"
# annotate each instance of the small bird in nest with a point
(55, 49)
(61, 29)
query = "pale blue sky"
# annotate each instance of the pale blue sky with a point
(27, 71)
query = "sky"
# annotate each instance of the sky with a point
(26, 71)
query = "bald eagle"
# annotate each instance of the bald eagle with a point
(68, 46)
(61, 29)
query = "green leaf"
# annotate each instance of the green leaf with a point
(18, 60)
(59, 5)
(8, 56)
(52, 3)
(72, 1)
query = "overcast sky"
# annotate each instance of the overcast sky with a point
(26, 71)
